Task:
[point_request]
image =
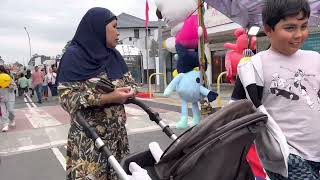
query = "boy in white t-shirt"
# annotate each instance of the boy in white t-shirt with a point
(284, 83)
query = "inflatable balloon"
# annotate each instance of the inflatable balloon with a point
(181, 16)
(235, 52)
(175, 12)
(188, 34)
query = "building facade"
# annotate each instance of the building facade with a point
(133, 32)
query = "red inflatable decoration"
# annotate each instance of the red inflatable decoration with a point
(234, 55)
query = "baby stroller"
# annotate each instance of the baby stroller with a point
(215, 149)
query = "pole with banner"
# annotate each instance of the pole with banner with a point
(206, 108)
(146, 39)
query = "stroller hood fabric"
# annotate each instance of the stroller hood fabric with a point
(216, 148)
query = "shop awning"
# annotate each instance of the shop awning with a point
(248, 12)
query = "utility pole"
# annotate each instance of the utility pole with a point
(162, 62)
(147, 54)
(29, 41)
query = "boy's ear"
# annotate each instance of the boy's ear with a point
(267, 29)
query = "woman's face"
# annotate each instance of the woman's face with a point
(112, 34)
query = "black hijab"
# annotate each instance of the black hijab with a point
(88, 55)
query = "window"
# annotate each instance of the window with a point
(217, 64)
(136, 33)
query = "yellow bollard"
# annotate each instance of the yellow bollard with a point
(149, 82)
(218, 88)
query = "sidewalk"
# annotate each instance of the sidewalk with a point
(174, 99)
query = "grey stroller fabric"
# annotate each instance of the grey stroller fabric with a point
(216, 148)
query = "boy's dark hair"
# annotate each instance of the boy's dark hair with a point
(275, 10)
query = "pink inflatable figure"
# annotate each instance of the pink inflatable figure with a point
(188, 34)
(235, 53)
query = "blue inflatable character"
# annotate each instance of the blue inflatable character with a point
(188, 87)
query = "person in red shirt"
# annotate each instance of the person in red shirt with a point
(37, 79)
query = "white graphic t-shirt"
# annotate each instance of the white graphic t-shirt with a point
(292, 97)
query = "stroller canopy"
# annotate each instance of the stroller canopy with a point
(217, 147)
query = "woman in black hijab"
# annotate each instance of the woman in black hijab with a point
(91, 57)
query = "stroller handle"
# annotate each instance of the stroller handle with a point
(99, 144)
(154, 116)
(106, 86)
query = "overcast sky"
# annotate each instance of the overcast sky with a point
(51, 23)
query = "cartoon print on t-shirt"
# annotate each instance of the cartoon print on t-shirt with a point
(299, 76)
(283, 87)
(280, 87)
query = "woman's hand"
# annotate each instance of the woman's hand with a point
(119, 95)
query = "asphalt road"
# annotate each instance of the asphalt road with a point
(44, 164)
(49, 164)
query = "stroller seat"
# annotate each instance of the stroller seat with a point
(215, 149)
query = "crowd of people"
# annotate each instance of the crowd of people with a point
(41, 80)
(24, 84)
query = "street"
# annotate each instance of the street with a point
(35, 149)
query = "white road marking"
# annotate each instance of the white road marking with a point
(39, 118)
(25, 100)
(134, 111)
(146, 129)
(30, 100)
(29, 148)
(60, 157)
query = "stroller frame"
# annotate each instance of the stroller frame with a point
(145, 159)
(100, 145)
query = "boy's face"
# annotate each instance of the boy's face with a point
(289, 34)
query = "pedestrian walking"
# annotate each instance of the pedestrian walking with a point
(30, 88)
(4, 97)
(37, 80)
(23, 84)
(51, 79)
(45, 85)
(11, 101)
